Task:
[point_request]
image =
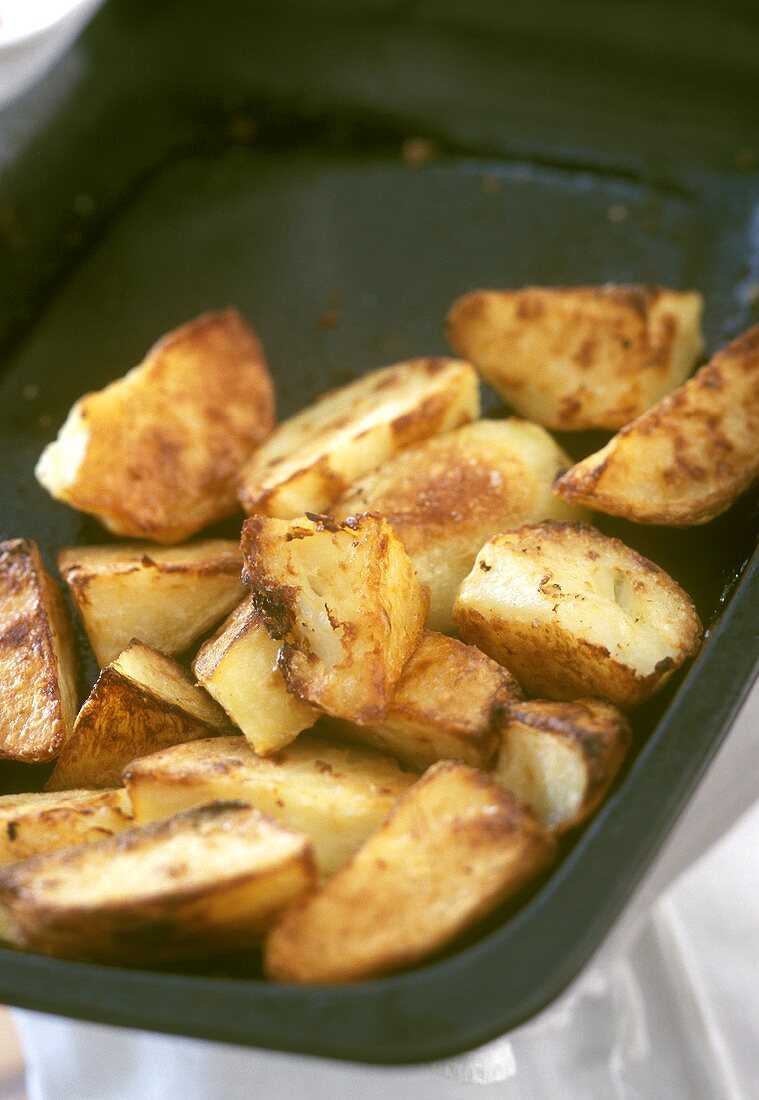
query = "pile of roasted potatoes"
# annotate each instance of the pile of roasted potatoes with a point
(424, 652)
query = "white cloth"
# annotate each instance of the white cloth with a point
(34, 34)
(667, 1009)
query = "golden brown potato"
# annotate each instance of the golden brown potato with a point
(447, 496)
(313, 456)
(346, 603)
(156, 453)
(573, 613)
(207, 881)
(142, 701)
(687, 459)
(238, 667)
(561, 758)
(336, 794)
(580, 357)
(164, 596)
(32, 824)
(455, 846)
(38, 695)
(451, 703)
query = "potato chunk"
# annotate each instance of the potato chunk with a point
(310, 458)
(164, 596)
(346, 603)
(238, 667)
(561, 758)
(447, 496)
(38, 694)
(155, 454)
(336, 794)
(455, 846)
(573, 613)
(687, 459)
(451, 703)
(580, 357)
(141, 702)
(32, 824)
(207, 881)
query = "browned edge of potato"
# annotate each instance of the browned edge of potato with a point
(238, 667)
(574, 613)
(37, 661)
(33, 824)
(166, 596)
(337, 794)
(310, 459)
(451, 703)
(208, 880)
(156, 453)
(573, 358)
(445, 497)
(141, 702)
(689, 457)
(345, 602)
(561, 758)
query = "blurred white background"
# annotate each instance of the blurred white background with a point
(33, 35)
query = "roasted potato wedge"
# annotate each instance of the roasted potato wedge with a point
(561, 758)
(33, 824)
(687, 459)
(346, 603)
(210, 880)
(238, 667)
(455, 846)
(38, 695)
(311, 458)
(451, 703)
(447, 496)
(164, 596)
(573, 613)
(580, 357)
(156, 453)
(336, 794)
(142, 701)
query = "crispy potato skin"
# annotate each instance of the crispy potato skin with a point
(310, 459)
(345, 602)
(579, 357)
(165, 596)
(211, 879)
(125, 717)
(447, 496)
(595, 734)
(549, 602)
(686, 460)
(451, 703)
(238, 667)
(336, 794)
(37, 662)
(155, 454)
(33, 824)
(454, 847)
